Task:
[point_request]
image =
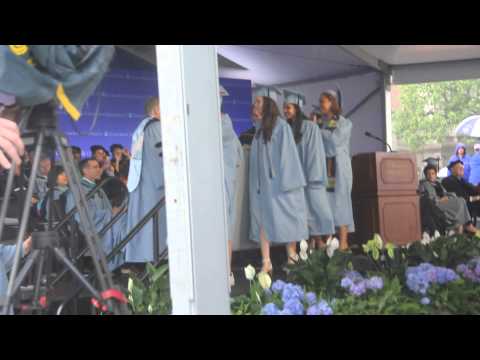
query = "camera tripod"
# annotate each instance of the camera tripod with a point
(42, 131)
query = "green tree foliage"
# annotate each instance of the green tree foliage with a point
(430, 112)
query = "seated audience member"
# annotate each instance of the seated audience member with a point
(101, 155)
(99, 208)
(77, 153)
(120, 156)
(57, 188)
(457, 184)
(41, 188)
(474, 177)
(452, 209)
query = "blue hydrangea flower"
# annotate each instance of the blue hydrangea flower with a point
(314, 310)
(425, 301)
(277, 286)
(325, 308)
(270, 309)
(375, 283)
(292, 291)
(346, 283)
(358, 289)
(311, 298)
(295, 306)
(419, 278)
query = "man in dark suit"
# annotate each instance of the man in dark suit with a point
(457, 184)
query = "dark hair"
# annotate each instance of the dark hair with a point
(428, 168)
(124, 168)
(270, 113)
(150, 104)
(296, 123)
(336, 108)
(53, 174)
(84, 163)
(115, 146)
(76, 149)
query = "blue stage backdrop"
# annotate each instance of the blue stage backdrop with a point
(115, 109)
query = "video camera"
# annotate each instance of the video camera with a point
(32, 75)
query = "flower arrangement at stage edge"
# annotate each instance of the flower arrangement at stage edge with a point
(249, 272)
(357, 285)
(332, 245)
(152, 295)
(258, 294)
(420, 278)
(290, 299)
(304, 250)
(470, 270)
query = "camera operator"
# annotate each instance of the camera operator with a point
(11, 144)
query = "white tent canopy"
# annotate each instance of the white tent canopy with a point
(286, 64)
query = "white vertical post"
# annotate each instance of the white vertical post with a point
(387, 108)
(194, 181)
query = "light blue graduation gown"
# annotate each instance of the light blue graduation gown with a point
(7, 255)
(232, 156)
(337, 144)
(312, 156)
(100, 210)
(277, 199)
(146, 189)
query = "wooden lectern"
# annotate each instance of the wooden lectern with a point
(385, 199)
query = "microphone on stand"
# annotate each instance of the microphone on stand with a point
(368, 134)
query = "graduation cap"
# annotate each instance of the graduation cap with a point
(453, 163)
(38, 74)
(116, 146)
(95, 148)
(291, 97)
(268, 91)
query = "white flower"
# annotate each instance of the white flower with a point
(304, 255)
(150, 308)
(426, 239)
(378, 241)
(451, 233)
(130, 285)
(435, 254)
(332, 245)
(436, 235)
(303, 246)
(250, 272)
(264, 280)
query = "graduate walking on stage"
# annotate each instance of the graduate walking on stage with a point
(277, 201)
(232, 156)
(336, 131)
(311, 151)
(146, 186)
